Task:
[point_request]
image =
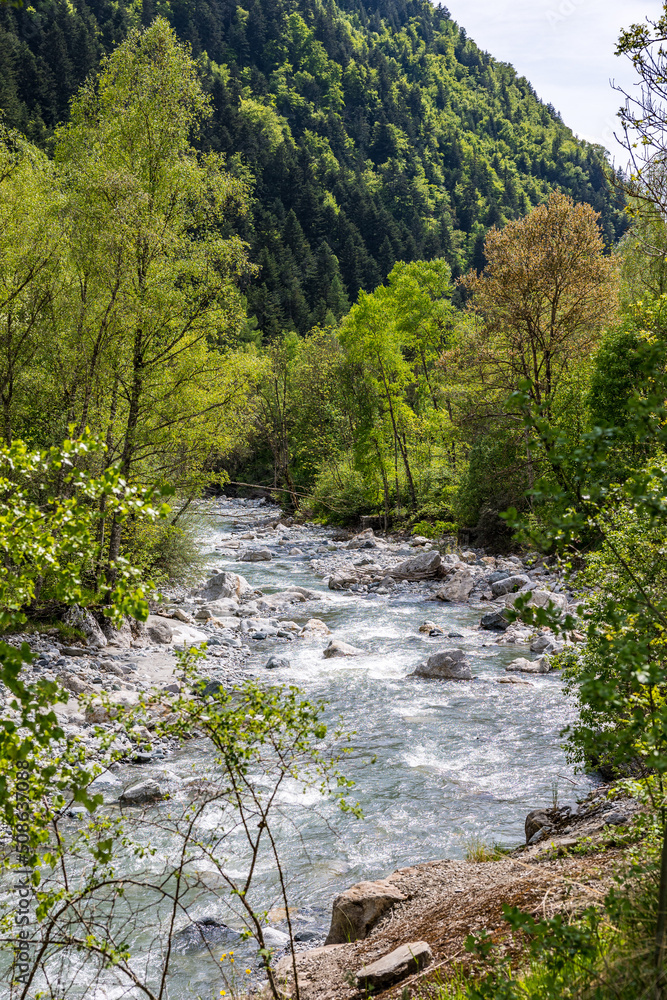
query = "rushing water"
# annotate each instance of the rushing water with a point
(453, 760)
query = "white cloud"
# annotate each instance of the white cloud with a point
(566, 49)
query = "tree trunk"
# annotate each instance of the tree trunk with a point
(661, 924)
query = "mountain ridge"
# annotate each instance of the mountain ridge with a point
(371, 132)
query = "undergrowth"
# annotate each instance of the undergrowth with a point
(606, 952)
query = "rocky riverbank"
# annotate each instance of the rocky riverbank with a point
(408, 929)
(235, 618)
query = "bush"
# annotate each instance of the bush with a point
(167, 553)
(342, 494)
(437, 530)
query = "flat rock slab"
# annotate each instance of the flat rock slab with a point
(525, 666)
(256, 555)
(403, 961)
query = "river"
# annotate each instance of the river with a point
(455, 762)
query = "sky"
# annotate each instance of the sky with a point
(566, 49)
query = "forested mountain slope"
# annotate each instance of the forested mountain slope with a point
(372, 132)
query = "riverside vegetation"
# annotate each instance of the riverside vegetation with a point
(347, 256)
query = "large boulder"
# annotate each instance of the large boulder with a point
(225, 585)
(425, 566)
(339, 648)
(509, 585)
(535, 821)
(356, 911)
(448, 665)
(458, 587)
(80, 618)
(255, 555)
(159, 630)
(120, 636)
(392, 968)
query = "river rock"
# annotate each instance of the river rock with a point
(111, 667)
(255, 555)
(343, 578)
(182, 616)
(225, 585)
(525, 666)
(80, 618)
(221, 608)
(141, 792)
(535, 820)
(499, 574)
(118, 636)
(274, 938)
(546, 644)
(74, 684)
(159, 630)
(339, 648)
(494, 621)
(364, 540)
(98, 713)
(425, 566)
(356, 911)
(313, 627)
(540, 599)
(202, 933)
(392, 968)
(430, 628)
(276, 663)
(517, 634)
(187, 635)
(458, 588)
(448, 665)
(509, 585)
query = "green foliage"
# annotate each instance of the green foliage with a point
(373, 134)
(436, 530)
(50, 527)
(118, 288)
(49, 544)
(165, 552)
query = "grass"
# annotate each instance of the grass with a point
(51, 627)
(478, 850)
